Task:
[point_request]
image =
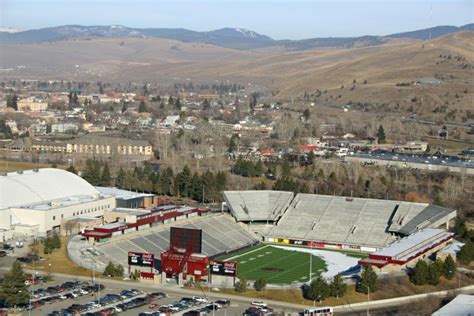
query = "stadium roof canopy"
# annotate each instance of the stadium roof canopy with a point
(41, 185)
(413, 245)
(249, 206)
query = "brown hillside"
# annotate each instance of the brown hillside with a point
(447, 60)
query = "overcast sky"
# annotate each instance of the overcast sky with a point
(277, 18)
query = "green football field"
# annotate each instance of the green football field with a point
(277, 266)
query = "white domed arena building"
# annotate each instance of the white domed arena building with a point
(36, 202)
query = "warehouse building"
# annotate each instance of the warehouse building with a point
(36, 202)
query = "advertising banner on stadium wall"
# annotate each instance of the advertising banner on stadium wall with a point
(141, 259)
(226, 268)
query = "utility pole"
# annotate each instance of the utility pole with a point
(33, 280)
(311, 263)
(368, 299)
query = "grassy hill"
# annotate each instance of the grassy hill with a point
(385, 75)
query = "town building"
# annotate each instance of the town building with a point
(32, 104)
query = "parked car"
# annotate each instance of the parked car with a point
(223, 302)
(3, 253)
(259, 303)
(8, 247)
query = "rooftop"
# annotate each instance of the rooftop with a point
(461, 305)
(122, 194)
(409, 246)
(40, 186)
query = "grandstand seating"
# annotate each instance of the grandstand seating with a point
(252, 206)
(220, 234)
(351, 221)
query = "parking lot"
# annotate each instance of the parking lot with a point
(74, 297)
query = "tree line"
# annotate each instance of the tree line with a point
(205, 187)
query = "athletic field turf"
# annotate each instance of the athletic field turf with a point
(277, 266)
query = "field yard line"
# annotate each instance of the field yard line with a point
(259, 267)
(244, 254)
(303, 264)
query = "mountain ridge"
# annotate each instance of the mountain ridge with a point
(235, 38)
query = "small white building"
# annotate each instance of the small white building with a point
(64, 128)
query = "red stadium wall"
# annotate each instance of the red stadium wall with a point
(195, 265)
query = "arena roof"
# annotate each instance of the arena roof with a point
(257, 205)
(461, 305)
(122, 194)
(41, 185)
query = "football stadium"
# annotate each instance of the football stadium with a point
(284, 237)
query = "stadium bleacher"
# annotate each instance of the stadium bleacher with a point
(254, 206)
(355, 221)
(220, 233)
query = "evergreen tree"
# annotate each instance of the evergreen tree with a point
(195, 188)
(241, 285)
(124, 107)
(460, 228)
(260, 284)
(142, 107)
(449, 267)
(306, 114)
(211, 192)
(71, 169)
(105, 178)
(466, 254)
(13, 290)
(420, 273)
(91, 172)
(285, 170)
(381, 134)
(338, 288)
(182, 181)
(177, 103)
(205, 104)
(5, 130)
(12, 102)
(318, 289)
(233, 143)
(259, 168)
(113, 270)
(221, 180)
(368, 281)
(120, 180)
(433, 274)
(55, 241)
(166, 181)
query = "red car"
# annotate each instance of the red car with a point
(154, 306)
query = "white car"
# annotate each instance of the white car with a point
(200, 299)
(83, 292)
(259, 303)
